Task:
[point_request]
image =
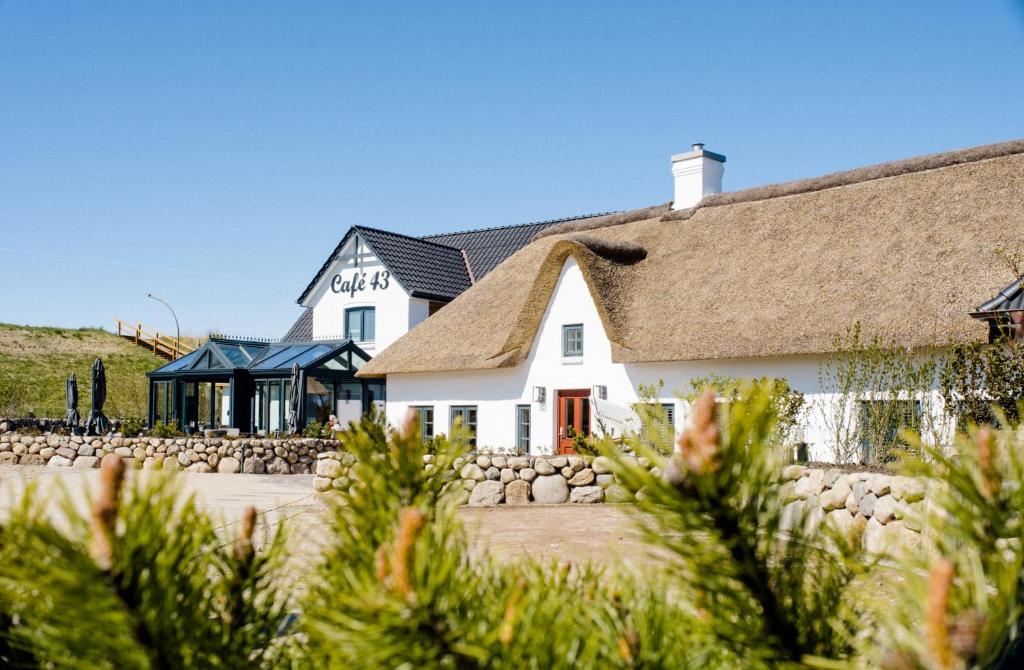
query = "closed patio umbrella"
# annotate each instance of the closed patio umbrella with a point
(71, 394)
(294, 397)
(98, 424)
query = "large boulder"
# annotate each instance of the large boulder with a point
(587, 494)
(86, 462)
(518, 462)
(278, 466)
(487, 494)
(793, 472)
(582, 478)
(543, 467)
(811, 484)
(885, 509)
(321, 484)
(602, 465)
(875, 540)
(508, 475)
(792, 515)
(913, 490)
(835, 497)
(550, 489)
(866, 506)
(472, 471)
(558, 462)
(59, 462)
(67, 452)
(517, 492)
(329, 468)
(880, 485)
(228, 465)
(253, 466)
(831, 475)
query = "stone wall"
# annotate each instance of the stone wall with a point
(888, 506)
(490, 480)
(195, 454)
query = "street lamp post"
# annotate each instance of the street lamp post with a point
(177, 328)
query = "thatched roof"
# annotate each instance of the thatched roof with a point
(905, 248)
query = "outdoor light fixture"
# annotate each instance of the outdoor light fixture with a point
(538, 394)
(600, 392)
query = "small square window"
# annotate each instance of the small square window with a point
(572, 340)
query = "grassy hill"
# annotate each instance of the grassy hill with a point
(35, 361)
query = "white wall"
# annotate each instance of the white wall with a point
(496, 393)
(396, 312)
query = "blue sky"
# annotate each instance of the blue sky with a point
(214, 153)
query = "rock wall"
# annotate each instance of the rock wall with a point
(490, 480)
(889, 507)
(195, 454)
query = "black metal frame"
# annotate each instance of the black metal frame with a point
(243, 380)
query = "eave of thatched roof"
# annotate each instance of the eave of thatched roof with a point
(904, 248)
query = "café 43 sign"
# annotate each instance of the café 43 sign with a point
(360, 281)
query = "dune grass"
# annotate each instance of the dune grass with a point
(35, 361)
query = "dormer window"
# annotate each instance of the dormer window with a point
(360, 323)
(572, 340)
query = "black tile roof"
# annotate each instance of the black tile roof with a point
(486, 248)
(433, 266)
(426, 269)
(302, 329)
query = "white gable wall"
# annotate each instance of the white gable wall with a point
(496, 393)
(395, 311)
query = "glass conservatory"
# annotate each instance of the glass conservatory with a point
(246, 384)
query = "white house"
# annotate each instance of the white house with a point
(744, 284)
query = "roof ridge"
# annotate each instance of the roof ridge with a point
(407, 237)
(518, 225)
(859, 175)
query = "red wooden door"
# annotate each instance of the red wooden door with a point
(573, 417)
